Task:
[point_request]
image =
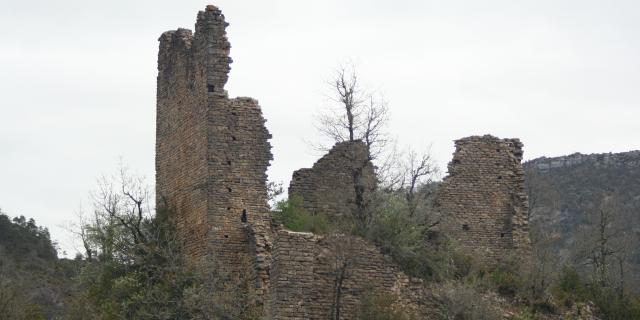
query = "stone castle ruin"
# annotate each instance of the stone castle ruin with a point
(212, 154)
(329, 187)
(482, 201)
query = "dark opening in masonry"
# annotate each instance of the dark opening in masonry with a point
(243, 217)
(497, 150)
(502, 235)
(229, 162)
(465, 227)
(228, 208)
(226, 236)
(229, 189)
(210, 88)
(499, 177)
(233, 138)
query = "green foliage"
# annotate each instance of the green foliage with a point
(524, 315)
(403, 237)
(22, 238)
(295, 218)
(33, 282)
(463, 301)
(381, 306)
(135, 267)
(507, 280)
(611, 305)
(145, 280)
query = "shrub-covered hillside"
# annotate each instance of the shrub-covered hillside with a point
(34, 283)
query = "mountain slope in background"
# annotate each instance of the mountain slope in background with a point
(34, 283)
(567, 192)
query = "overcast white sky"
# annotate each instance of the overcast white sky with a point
(77, 80)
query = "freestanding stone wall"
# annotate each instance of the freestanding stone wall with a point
(482, 200)
(212, 152)
(306, 269)
(329, 187)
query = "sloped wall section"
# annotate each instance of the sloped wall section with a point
(329, 187)
(314, 277)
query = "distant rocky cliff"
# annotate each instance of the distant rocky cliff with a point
(601, 160)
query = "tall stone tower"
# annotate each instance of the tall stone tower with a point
(483, 202)
(212, 152)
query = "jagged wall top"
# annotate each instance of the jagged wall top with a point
(482, 200)
(209, 42)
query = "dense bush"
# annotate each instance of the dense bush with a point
(462, 301)
(152, 280)
(572, 289)
(22, 239)
(381, 306)
(33, 281)
(295, 218)
(404, 238)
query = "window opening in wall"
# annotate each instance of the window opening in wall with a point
(210, 88)
(465, 227)
(502, 235)
(243, 217)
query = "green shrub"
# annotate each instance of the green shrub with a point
(461, 301)
(295, 218)
(381, 306)
(506, 281)
(571, 289)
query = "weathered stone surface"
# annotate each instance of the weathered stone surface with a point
(329, 187)
(482, 200)
(306, 266)
(212, 152)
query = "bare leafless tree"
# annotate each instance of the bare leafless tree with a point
(121, 204)
(606, 244)
(418, 169)
(355, 113)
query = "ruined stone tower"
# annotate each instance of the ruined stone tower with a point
(482, 200)
(212, 152)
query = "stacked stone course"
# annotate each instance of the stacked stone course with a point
(212, 152)
(483, 202)
(328, 187)
(304, 277)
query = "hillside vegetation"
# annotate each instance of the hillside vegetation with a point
(34, 283)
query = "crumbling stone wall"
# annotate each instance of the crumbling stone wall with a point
(306, 268)
(482, 200)
(329, 187)
(212, 152)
